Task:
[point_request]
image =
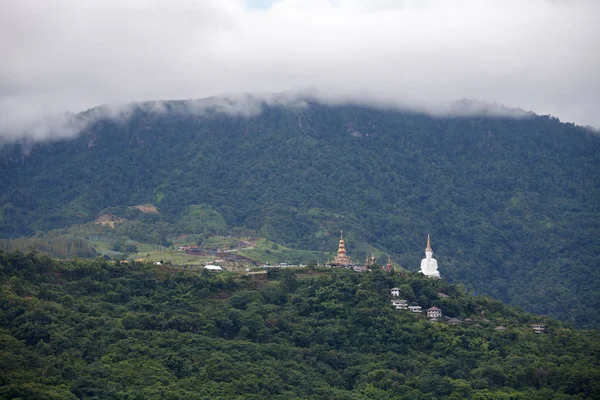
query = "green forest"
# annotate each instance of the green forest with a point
(93, 329)
(511, 204)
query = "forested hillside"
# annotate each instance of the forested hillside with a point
(511, 204)
(96, 329)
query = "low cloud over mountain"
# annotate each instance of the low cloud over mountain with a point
(61, 55)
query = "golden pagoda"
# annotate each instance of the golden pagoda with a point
(342, 258)
(370, 261)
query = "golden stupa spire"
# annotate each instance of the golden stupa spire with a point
(342, 258)
(341, 246)
(428, 248)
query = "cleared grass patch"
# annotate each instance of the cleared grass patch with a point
(269, 252)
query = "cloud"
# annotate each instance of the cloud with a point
(70, 55)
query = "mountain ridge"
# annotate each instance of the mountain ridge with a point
(70, 125)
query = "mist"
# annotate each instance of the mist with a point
(67, 56)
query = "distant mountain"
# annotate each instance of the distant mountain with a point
(512, 204)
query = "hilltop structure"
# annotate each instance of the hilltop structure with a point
(389, 267)
(342, 259)
(369, 262)
(429, 266)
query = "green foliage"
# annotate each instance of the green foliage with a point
(96, 329)
(57, 246)
(511, 204)
(201, 219)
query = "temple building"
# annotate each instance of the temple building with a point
(389, 267)
(369, 262)
(342, 258)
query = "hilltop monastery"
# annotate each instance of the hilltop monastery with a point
(429, 266)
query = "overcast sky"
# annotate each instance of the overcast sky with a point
(70, 55)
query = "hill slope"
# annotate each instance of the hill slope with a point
(92, 329)
(511, 204)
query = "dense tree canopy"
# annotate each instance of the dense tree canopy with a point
(100, 330)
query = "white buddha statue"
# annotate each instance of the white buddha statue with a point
(429, 265)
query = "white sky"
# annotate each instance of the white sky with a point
(70, 55)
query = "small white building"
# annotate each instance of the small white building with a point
(538, 328)
(415, 309)
(434, 312)
(395, 291)
(400, 304)
(213, 268)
